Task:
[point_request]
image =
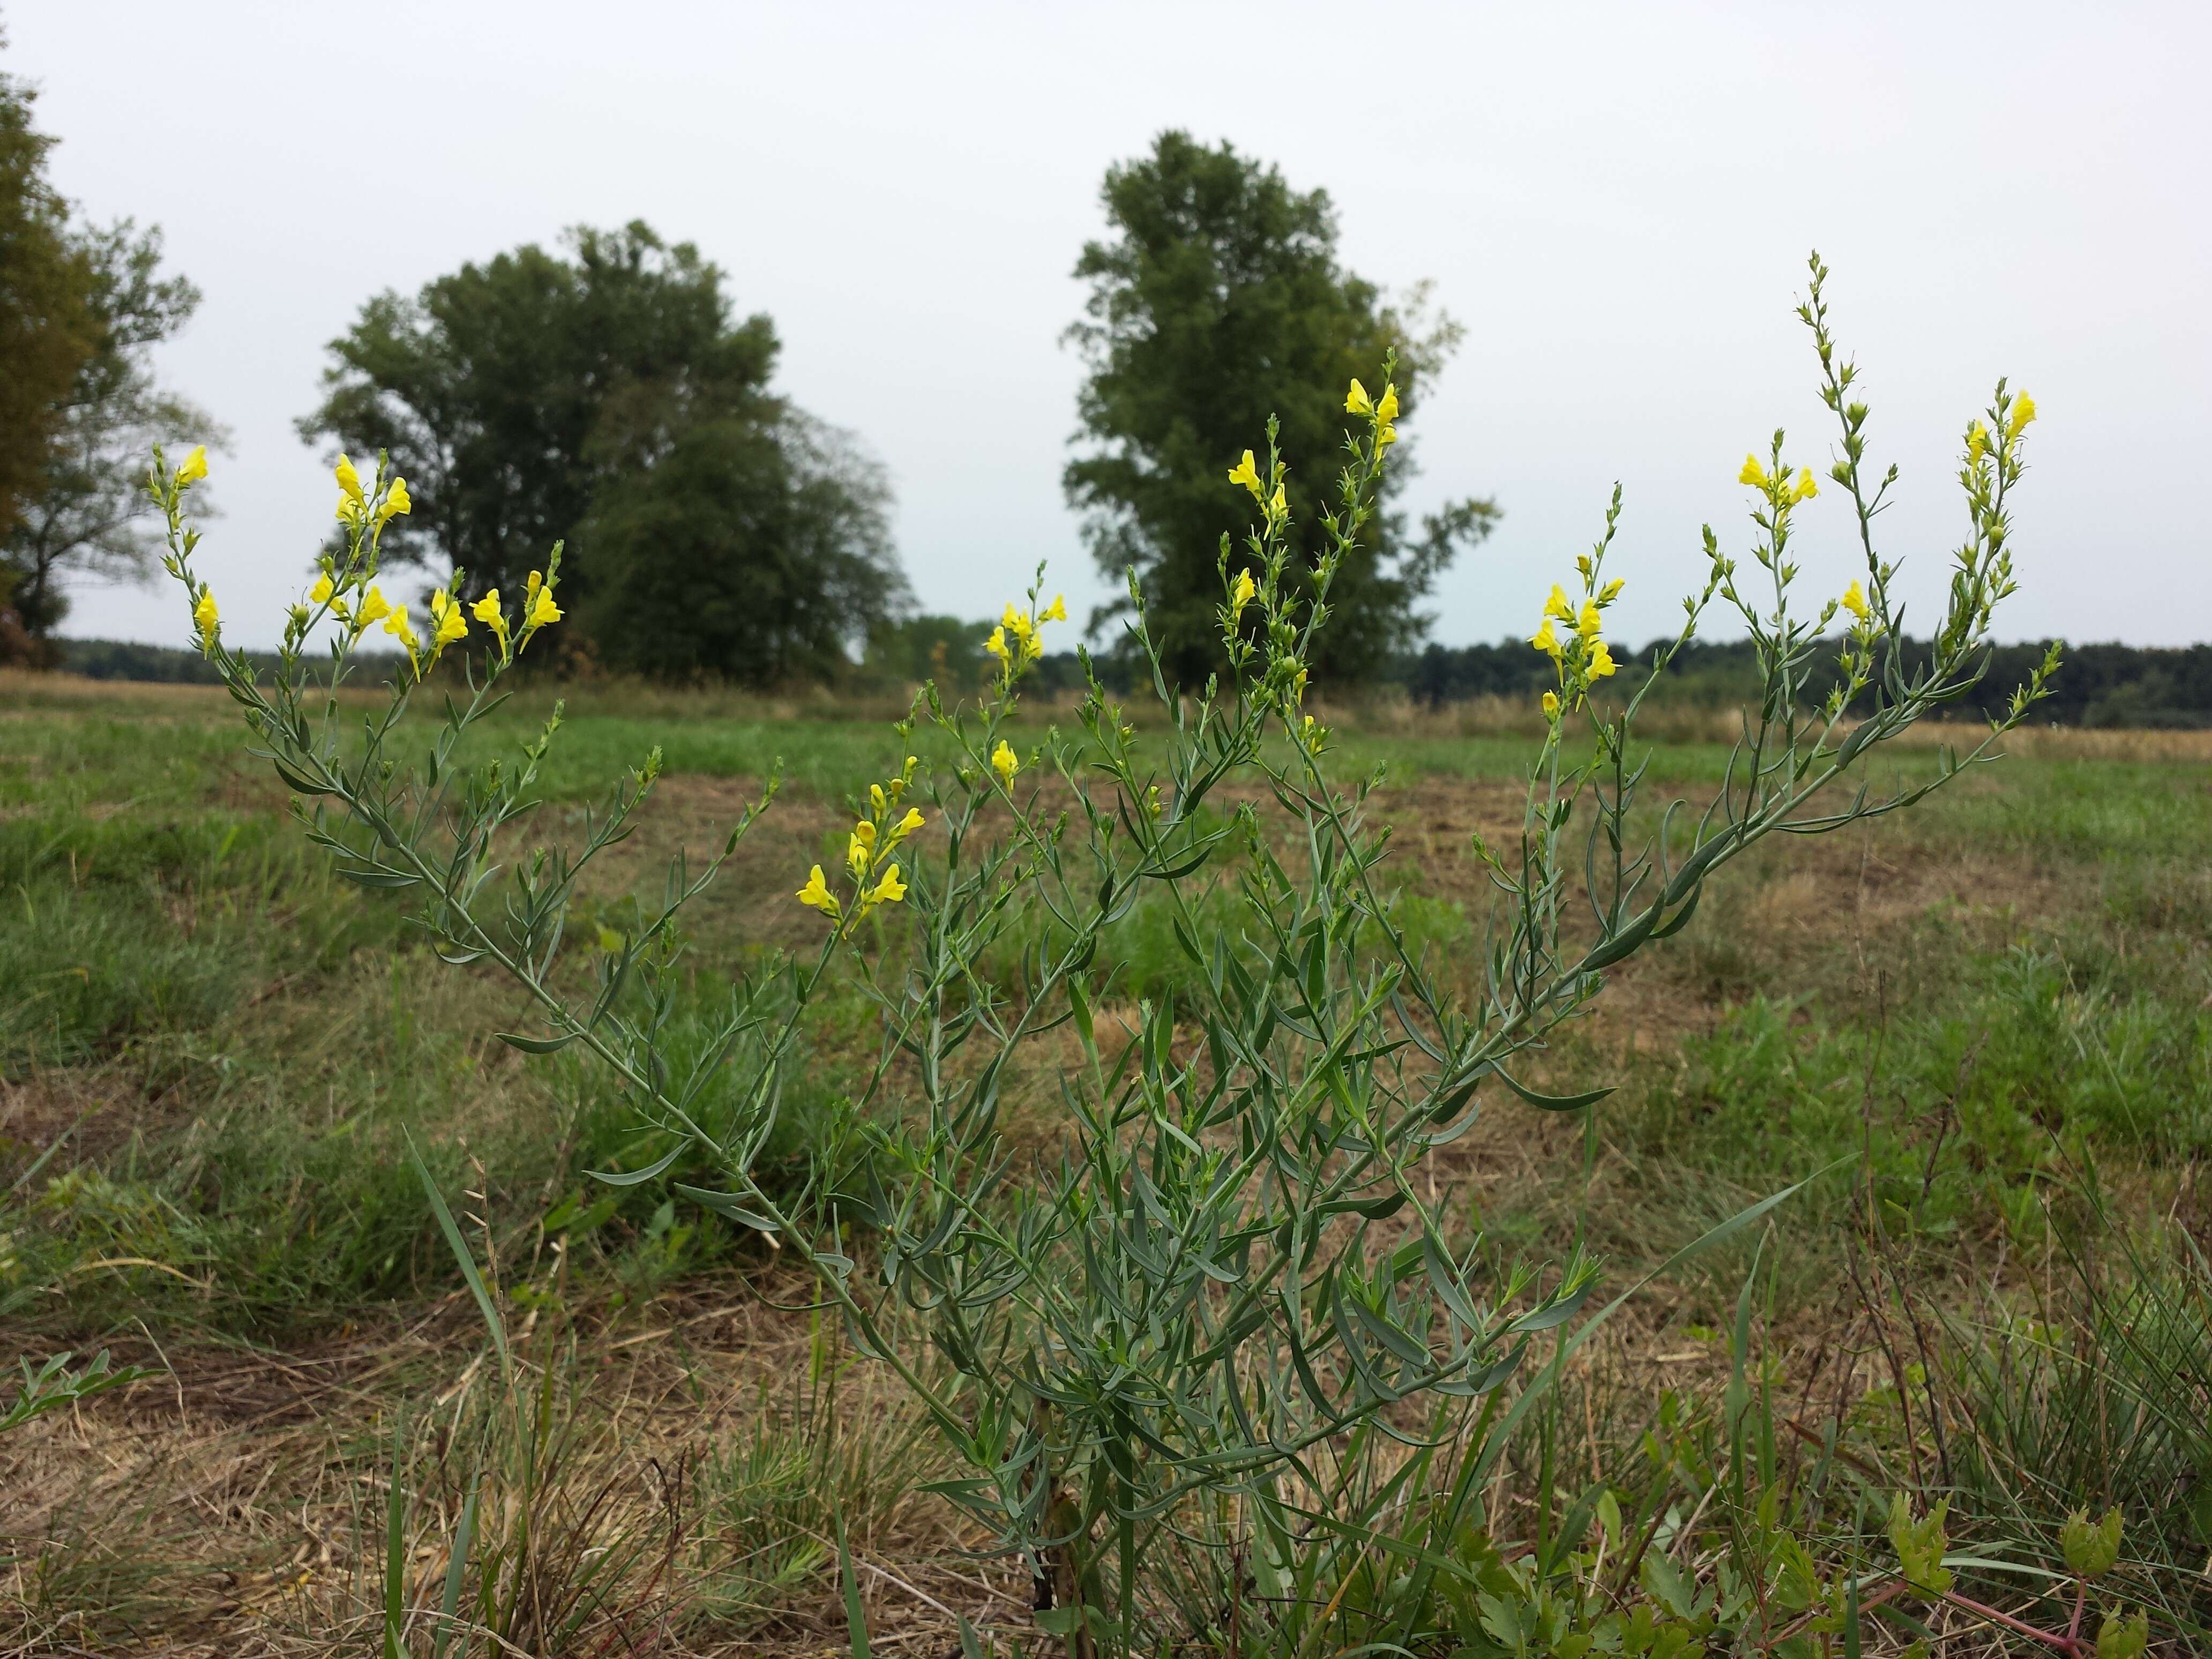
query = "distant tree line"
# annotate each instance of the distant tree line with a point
(2100, 685)
(2113, 685)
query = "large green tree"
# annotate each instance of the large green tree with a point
(757, 551)
(604, 395)
(508, 392)
(90, 509)
(1219, 300)
(46, 328)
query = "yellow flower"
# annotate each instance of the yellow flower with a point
(374, 607)
(1589, 622)
(1298, 685)
(448, 624)
(1241, 594)
(816, 894)
(1004, 763)
(1611, 593)
(890, 890)
(996, 645)
(861, 847)
(1601, 661)
(542, 611)
(349, 480)
(1311, 735)
(1545, 640)
(1152, 806)
(396, 502)
(877, 800)
(2023, 411)
(400, 629)
(1015, 623)
(1854, 601)
(1246, 472)
(1550, 705)
(912, 822)
(1806, 489)
(1386, 407)
(350, 511)
(1056, 612)
(1753, 474)
(486, 611)
(1977, 439)
(1357, 402)
(205, 617)
(1281, 506)
(195, 466)
(1557, 605)
(322, 592)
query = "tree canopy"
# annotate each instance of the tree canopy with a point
(46, 327)
(1217, 301)
(761, 551)
(608, 398)
(90, 509)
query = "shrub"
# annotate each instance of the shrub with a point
(1223, 1306)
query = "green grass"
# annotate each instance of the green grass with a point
(211, 1052)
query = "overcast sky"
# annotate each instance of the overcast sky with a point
(1616, 201)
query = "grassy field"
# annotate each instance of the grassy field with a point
(1984, 1027)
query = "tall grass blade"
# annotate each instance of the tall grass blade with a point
(395, 1541)
(856, 1615)
(449, 1603)
(460, 1250)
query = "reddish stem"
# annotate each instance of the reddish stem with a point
(2068, 1645)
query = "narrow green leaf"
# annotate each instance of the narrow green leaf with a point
(856, 1615)
(460, 1250)
(1554, 1103)
(636, 1177)
(726, 1204)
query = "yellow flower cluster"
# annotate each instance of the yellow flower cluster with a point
(206, 616)
(1015, 642)
(2017, 418)
(355, 507)
(1582, 658)
(1383, 410)
(876, 877)
(449, 619)
(1779, 488)
(1246, 472)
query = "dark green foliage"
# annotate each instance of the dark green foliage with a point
(2104, 685)
(941, 648)
(506, 390)
(89, 510)
(757, 551)
(608, 398)
(1218, 303)
(45, 325)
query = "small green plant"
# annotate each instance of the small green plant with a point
(52, 1385)
(1229, 1303)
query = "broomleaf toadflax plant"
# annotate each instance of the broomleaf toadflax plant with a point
(1226, 1296)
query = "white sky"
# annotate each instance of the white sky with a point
(1616, 200)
